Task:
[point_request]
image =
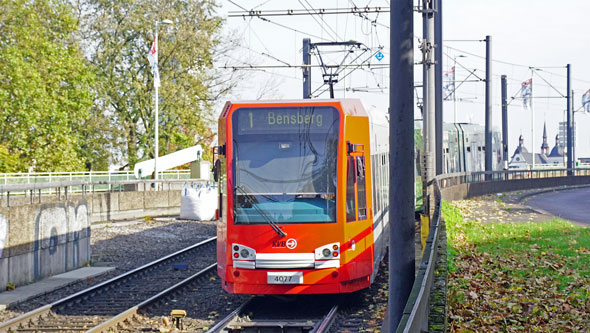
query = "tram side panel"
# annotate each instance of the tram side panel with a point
(220, 176)
(358, 227)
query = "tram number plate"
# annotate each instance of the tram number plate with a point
(284, 277)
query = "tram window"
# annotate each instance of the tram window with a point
(375, 177)
(350, 202)
(361, 187)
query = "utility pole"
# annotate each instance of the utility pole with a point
(306, 70)
(488, 126)
(438, 94)
(570, 141)
(427, 48)
(504, 123)
(573, 132)
(401, 160)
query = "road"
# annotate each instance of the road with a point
(572, 205)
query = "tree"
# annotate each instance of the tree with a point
(45, 87)
(119, 33)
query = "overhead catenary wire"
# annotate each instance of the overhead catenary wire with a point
(282, 25)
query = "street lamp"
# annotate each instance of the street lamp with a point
(156, 85)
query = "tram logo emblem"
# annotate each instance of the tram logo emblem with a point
(291, 243)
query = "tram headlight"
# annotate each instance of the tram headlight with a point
(327, 251)
(244, 253)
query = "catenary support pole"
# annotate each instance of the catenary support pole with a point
(504, 123)
(428, 102)
(438, 94)
(306, 70)
(570, 137)
(488, 125)
(401, 161)
(573, 132)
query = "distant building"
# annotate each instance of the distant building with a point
(563, 134)
(522, 159)
(556, 155)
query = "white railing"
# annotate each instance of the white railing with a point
(87, 176)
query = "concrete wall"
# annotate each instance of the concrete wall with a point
(41, 237)
(40, 240)
(131, 205)
(464, 191)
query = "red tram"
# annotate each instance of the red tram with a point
(303, 189)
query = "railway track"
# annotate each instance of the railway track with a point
(108, 304)
(269, 314)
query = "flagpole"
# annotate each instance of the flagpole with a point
(532, 122)
(156, 86)
(156, 112)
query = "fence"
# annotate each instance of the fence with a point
(98, 181)
(33, 192)
(89, 176)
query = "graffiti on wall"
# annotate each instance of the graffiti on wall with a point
(58, 231)
(3, 233)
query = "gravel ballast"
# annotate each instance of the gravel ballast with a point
(128, 245)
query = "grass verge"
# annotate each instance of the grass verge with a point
(517, 276)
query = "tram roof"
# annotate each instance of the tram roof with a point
(350, 106)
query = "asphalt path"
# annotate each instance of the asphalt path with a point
(572, 205)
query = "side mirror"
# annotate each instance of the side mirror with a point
(216, 170)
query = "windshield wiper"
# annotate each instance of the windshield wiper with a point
(261, 211)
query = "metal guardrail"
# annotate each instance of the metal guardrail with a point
(35, 191)
(88, 176)
(415, 315)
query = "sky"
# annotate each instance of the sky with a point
(541, 34)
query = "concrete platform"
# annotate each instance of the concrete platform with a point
(24, 293)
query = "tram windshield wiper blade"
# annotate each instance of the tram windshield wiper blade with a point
(261, 211)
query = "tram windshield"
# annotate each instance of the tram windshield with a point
(285, 164)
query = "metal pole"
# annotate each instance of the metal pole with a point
(488, 126)
(428, 101)
(573, 132)
(455, 90)
(306, 70)
(401, 160)
(532, 121)
(504, 122)
(438, 73)
(156, 113)
(570, 141)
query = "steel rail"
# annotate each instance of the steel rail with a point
(15, 323)
(111, 324)
(320, 325)
(328, 320)
(225, 321)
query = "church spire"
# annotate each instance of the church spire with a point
(544, 145)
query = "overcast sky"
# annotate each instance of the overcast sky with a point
(544, 34)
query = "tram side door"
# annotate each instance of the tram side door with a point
(358, 229)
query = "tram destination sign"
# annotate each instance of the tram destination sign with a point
(285, 120)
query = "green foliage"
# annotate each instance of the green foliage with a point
(418, 139)
(517, 276)
(120, 33)
(419, 203)
(45, 86)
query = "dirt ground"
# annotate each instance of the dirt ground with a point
(502, 207)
